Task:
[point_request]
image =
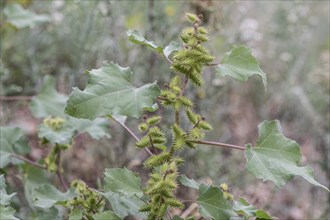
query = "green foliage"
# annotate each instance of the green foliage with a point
(45, 196)
(6, 212)
(276, 157)
(12, 142)
(106, 215)
(19, 17)
(123, 181)
(50, 103)
(213, 204)
(240, 65)
(136, 37)
(124, 206)
(109, 91)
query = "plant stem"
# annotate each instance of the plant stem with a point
(131, 133)
(29, 161)
(59, 171)
(212, 143)
(15, 98)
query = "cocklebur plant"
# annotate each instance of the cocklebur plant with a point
(110, 94)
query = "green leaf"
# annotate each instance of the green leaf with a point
(48, 102)
(106, 215)
(45, 196)
(5, 198)
(262, 215)
(172, 47)
(240, 65)
(188, 182)
(243, 208)
(96, 128)
(62, 135)
(123, 181)
(109, 91)
(76, 214)
(276, 157)
(137, 38)
(7, 213)
(124, 206)
(11, 142)
(33, 177)
(213, 204)
(21, 18)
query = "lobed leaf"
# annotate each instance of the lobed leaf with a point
(45, 196)
(109, 91)
(123, 205)
(276, 157)
(11, 142)
(61, 136)
(137, 38)
(240, 65)
(188, 182)
(124, 181)
(49, 102)
(213, 204)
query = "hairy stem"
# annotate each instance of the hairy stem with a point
(212, 143)
(33, 163)
(131, 133)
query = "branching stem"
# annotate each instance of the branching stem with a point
(131, 133)
(212, 143)
(33, 163)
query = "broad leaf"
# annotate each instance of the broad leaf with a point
(243, 208)
(172, 47)
(124, 206)
(11, 142)
(106, 215)
(62, 135)
(188, 182)
(213, 204)
(45, 196)
(240, 65)
(109, 91)
(137, 38)
(7, 213)
(5, 198)
(33, 177)
(276, 157)
(96, 129)
(48, 102)
(76, 214)
(123, 181)
(21, 18)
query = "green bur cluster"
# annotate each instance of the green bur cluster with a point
(194, 56)
(187, 64)
(87, 199)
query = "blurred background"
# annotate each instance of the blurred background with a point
(290, 39)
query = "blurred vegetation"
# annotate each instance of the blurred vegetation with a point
(291, 40)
